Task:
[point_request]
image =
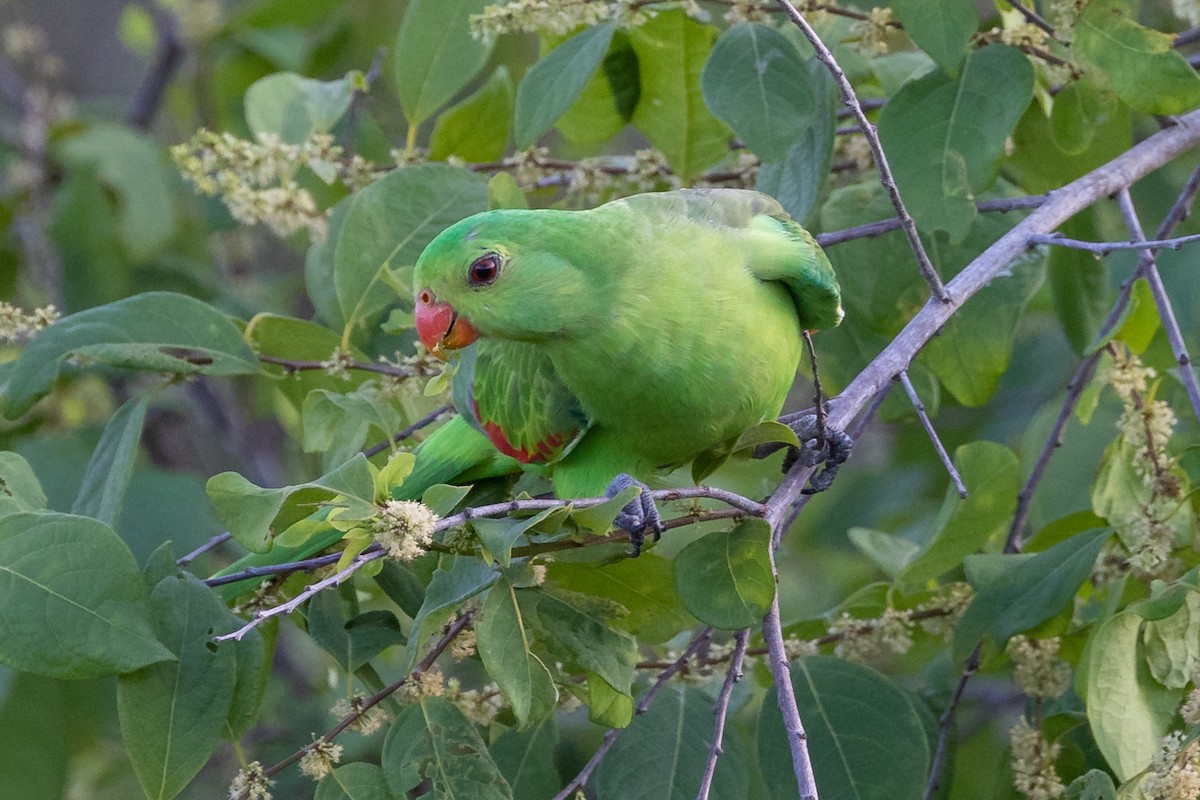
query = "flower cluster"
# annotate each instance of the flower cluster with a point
(1145, 426)
(404, 528)
(559, 17)
(369, 720)
(198, 20)
(873, 31)
(257, 179)
(28, 45)
(794, 647)
(952, 603)
(480, 706)
(430, 683)
(338, 364)
(464, 645)
(872, 639)
(1033, 760)
(594, 180)
(1025, 34)
(320, 758)
(251, 782)
(1190, 710)
(1037, 669)
(18, 325)
(1174, 773)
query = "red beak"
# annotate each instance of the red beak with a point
(440, 326)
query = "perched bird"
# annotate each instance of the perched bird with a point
(612, 342)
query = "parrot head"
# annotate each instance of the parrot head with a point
(496, 274)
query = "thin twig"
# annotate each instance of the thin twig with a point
(403, 434)
(293, 365)
(1032, 17)
(883, 226)
(356, 101)
(168, 56)
(452, 631)
(777, 660)
(947, 721)
(850, 99)
(1186, 37)
(732, 675)
(215, 541)
(1149, 269)
(919, 407)
(818, 392)
(1104, 248)
(869, 104)
(699, 641)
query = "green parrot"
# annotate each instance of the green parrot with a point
(609, 343)
(613, 342)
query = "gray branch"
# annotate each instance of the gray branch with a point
(1104, 248)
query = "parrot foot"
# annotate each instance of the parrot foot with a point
(638, 515)
(832, 451)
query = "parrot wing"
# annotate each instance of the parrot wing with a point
(777, 248)
(511, 393)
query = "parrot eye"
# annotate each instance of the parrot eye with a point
(484, 270)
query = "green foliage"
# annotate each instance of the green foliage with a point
(197, 347)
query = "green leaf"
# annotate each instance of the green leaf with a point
(865, 736)
(607, 706)
(19, 487)
(253, 514)
(132, 165)
(1079, 284)
(973, 349)
(797, 179)
(1129, 712)
(1014, 593)
(1173, 644)
(890, 553)
(352, 642)
(505, 192)
(433, 742)
(111, 465)
(155, 331)
(319, 268)
(643, 585)
(608, 100)
(355, 781)
(526, 760)
(336, 423)
(476, 129)
(1095, 784)
(387, 226)
(504, 646)
(945, 137)
(300, 340)
(37, 764)
(942, 28)
(442, 498)
(756, 83)
(435, 54)
(172, 714)
(598, 519)
(577, 627)
(724, 578)
(294, 107)
(74, 602)
(555, 82)
(253, 656)
(1138, 323)
(671, 50)
(499, 535)
(456, 580)
(1079, 110)
(993, 478)
(1139, 63)
(661, 755)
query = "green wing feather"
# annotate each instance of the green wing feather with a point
(776, 247)
(512, 393)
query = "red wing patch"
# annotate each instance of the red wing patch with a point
(541, 453)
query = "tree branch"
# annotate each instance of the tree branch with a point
(779, 665)
(293, 365)
(404, 433)
(1104, 248)
(168, 56)
(883, 226)
(915, 399)
(732, 675)
(850, 99)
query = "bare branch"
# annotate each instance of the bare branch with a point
(883, 226)
(777, 660)
(915, 399)
(1032, 17)
(215, 541)
(1149, 268)
(1186, 37)
(732, 675)
(293, 365)
(699, 641)
(947, 721)
(1104, 248)
(404, 433)
(168, 56)
(885, 171)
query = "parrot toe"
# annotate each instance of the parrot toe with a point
(830, 447)
(638, 515)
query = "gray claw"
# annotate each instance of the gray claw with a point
(833, 452)
(638, 514)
